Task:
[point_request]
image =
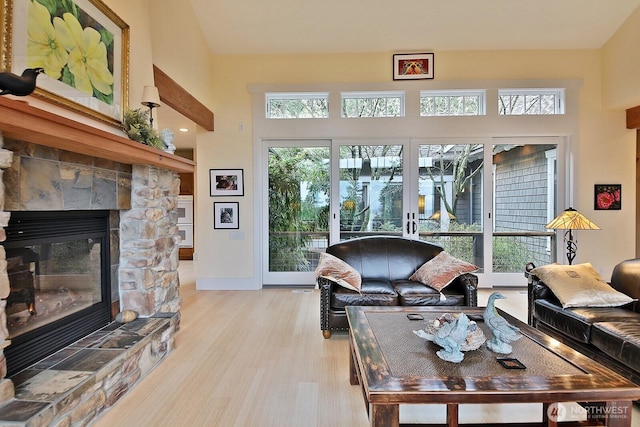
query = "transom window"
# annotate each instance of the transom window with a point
(297, 105)
(372, 104)
(452, 103)
(520, 102)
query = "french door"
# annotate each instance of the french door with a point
(296, 198)
(484, 200)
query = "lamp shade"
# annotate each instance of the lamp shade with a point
(571, 219)
(150, 97)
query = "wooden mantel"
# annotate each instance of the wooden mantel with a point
(19, 120)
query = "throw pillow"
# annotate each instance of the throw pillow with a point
(441, 270)
(580, 285)
(333, 268)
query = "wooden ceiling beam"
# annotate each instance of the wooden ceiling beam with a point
(182, 101)
(633, 118)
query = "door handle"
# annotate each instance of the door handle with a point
(415, 227)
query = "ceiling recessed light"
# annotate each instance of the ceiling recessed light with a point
(183, 130)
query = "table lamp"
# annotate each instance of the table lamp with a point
(571, 220)
(151, 99)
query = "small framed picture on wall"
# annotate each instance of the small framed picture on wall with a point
(225, 215)
(226, 182)
(608, 197)
(413, 66)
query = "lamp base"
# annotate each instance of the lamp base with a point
(572, 247)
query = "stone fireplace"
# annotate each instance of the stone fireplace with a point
(52, 164)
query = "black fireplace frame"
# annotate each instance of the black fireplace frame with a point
(30, 227)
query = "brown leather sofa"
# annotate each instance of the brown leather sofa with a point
(609, 335)
(385, 264)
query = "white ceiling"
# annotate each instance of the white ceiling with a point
(348, 26)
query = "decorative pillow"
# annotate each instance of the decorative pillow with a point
(333, 268)
(580, 285)
(441, 270)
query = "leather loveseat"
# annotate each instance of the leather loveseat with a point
(385, 264)
(609, 335)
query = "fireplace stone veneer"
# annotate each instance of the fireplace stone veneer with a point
(144, 256)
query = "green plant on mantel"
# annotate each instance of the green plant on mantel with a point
(136, 125)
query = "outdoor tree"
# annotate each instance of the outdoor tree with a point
(298, 203)
(454, 161)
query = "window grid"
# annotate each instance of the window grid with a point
(432, 103)
(359, 105)
(451, 103)
(297, 106)
(530, 102)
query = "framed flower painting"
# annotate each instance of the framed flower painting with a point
(608, 197)
(83, 47)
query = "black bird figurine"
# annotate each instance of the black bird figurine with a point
(11, 84)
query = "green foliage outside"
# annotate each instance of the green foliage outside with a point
(510, 254)
(355, 214)
(291, 214)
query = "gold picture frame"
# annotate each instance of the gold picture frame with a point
(99, 92)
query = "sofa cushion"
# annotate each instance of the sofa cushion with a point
(577, 322)
(333, 268)
(415, 293)
(580, 286)
(441, 270)
(620, 340)
(372, 292)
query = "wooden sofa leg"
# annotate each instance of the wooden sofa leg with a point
(326, 334)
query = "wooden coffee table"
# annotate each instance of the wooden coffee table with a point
(394, 367)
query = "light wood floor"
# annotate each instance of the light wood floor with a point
(257, 358)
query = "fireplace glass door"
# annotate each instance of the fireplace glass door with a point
(57, 265)
(50, 281)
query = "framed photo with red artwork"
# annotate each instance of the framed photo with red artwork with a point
(413, 66)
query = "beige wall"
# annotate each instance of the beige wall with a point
(622, 66)
(604, 151)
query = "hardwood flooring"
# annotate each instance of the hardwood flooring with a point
(258, 358)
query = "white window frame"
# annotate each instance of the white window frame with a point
(481, 94)
(292, 96)
(372, 95)
(559, 105)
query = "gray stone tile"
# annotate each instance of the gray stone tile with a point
(88, 360)
(50, 385)
(40, 185)
(56, 358)
(104, 190)
(77, 186)
(120, 340)
(20, 411)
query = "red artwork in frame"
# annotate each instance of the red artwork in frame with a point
(413, 66)
(607, 197)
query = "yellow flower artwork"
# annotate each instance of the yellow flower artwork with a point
(71, 47)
